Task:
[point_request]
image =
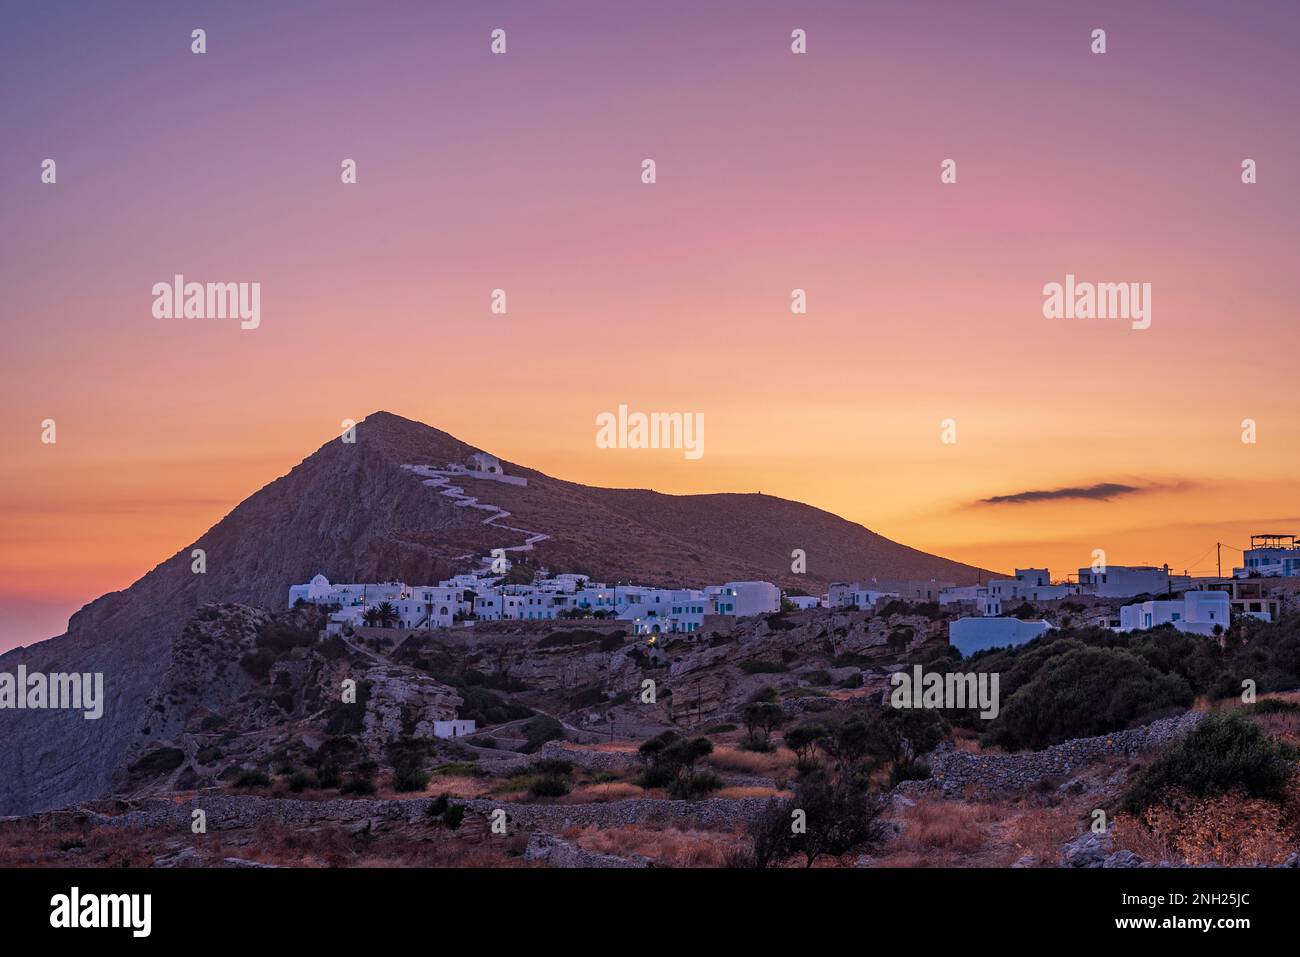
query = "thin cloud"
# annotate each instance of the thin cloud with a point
(1101, 492)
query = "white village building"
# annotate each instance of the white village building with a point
(453, 729)
(1196, 612)
(855, 594)
(1030, 584)
(466, 598)
(1270, 556)
(969, 635)
(1127, 581)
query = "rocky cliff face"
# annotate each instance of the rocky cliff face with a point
(352, 512)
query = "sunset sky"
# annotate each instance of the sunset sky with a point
(775, 171)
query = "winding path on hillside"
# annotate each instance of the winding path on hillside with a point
(441, 479)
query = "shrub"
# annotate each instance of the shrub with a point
(1274, 706)
(358, 784)
(328, 777)
(1222, 753)
(281, 636)
(453, 816)
(655, 777)
(550, 785)
(553, 766)
(159, 761)
(839, 819)
(252, 779)
(694, 785)
(1084, 692)
(487, 707)
(349, 718)
(752, 667)
(438, 806)
(539, 730)
(909, 770)
(300, 781)
(409, 778)
(818, 678)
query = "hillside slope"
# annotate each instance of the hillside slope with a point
(351, 511)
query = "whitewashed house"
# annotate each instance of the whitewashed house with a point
(1270, 556)
(453, 729)
(969, 635)
(962, 593)
(1196, 612)
(1030, 584)
(846, 595)
(748, 598)
(1127, 581)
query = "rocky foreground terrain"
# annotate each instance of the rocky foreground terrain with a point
(249, 754)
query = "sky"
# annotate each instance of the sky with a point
(775, 171)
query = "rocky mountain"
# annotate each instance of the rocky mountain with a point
(351, 511)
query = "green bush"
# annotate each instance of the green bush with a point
(695, 784)
(329, 777)
(752, 667)
(453, 816)
(1274, 706)
(655, 776)
(909, 770)
(1222, 753)
(550, 785)
(252, 779)
(539, 730)
(409, 778)
(358, 784)
(1085, 692)
(300, 781)
(552, 766)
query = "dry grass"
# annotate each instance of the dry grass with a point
(749, 792)
(753, 763)
(669, 847)
(1231, 830)
(1132, 835)
(605, 791)
(947, 833)
(943, 825)
(1036, 831)
(963, 739)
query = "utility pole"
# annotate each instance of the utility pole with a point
(1218, 557)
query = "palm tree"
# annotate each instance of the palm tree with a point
(387, 615)
(370, 616)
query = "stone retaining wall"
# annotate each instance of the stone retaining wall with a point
(954, 771)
